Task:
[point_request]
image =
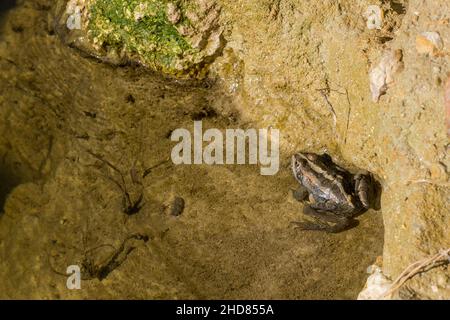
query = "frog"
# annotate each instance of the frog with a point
(334, 196)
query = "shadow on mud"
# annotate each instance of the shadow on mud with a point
(6, 5)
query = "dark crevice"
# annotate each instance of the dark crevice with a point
(6, 5)
(398, 7)
(8, 181)
(204, 113)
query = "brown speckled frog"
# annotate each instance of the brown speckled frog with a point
(335, 195)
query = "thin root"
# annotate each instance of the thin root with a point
(418, 267)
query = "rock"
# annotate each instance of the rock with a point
(177, 206)
(74, 20)
(382, 76)
(374, 15)
(174, 206)
(175, 38)
(73, 10)
(376, 286)
(429, 43)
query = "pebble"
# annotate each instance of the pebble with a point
(382, 75)
(429, 43)
(374, 15)
(377, 284)
(174, 206)
(74, 20)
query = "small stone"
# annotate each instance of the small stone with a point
(382, 76)
(374, 16)
(174, 206)
(197, 39)
(376, 286)
(74, 20)
(429, 43)
(177, 206)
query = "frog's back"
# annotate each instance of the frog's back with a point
(332, 197)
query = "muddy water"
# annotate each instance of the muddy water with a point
(62, 206)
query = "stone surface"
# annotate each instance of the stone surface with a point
(402, 139)
(178, 38)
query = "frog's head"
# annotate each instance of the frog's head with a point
(303, 160)
(301, 163)
(309, 164)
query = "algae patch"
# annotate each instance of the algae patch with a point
(175, 37)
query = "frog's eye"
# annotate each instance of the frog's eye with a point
(312, 157)
(297, 162)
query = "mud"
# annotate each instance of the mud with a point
(233, 239)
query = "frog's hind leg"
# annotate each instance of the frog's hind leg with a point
(323, 219)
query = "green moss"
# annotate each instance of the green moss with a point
(152, 39)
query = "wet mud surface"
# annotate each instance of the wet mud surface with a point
(61, 206)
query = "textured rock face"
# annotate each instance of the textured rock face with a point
(176, 37)
(402, 138)
(300, 66)
(417, 193)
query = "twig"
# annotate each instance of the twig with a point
(416, 268)
(437, 183)
(324, 92)
(100, 271)
(129, 207)
(123, 186)
(149, 170)
(348, 114)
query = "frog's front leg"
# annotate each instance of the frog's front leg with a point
(300, 194)
(323, 217)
